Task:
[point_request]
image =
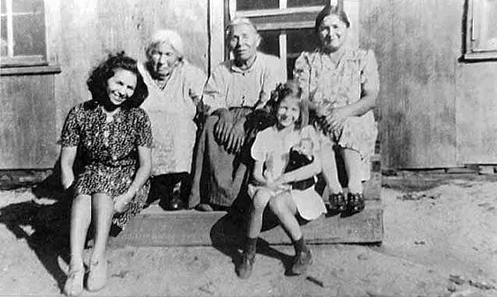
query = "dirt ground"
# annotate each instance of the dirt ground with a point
(440, 240)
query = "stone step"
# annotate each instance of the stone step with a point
(155, 227)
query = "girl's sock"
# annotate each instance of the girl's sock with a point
(300, 246)
(251, 246)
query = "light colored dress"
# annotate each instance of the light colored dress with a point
(333, 85)
(171, 111)
(269, 147)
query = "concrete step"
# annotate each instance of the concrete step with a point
(155, 227)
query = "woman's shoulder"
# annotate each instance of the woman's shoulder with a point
(191, 71)
(138, 112)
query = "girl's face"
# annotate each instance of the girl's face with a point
(121, 86)
(288, 112)
(332, 32)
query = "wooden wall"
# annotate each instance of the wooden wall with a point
(435, 110)
(79, 36)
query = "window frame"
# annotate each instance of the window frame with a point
(473, 32)
(297, 15)
(11, 61)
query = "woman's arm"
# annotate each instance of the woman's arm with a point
(67, 157)
(142, 174)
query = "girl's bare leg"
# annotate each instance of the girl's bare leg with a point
(285, 209)
(259, 203)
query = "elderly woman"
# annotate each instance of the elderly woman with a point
(175, 88)
(234, 90)
(112, 136)
(342, 84)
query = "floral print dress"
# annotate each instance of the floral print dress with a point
(109, 152)
(330, 85)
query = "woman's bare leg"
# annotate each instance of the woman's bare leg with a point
(329, 168)
(80, 221)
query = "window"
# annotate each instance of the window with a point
(481, 33)
(22, 33)
(286, 26)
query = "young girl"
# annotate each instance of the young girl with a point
(270, 187)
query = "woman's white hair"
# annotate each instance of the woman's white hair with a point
(240, 21)
(169, 37)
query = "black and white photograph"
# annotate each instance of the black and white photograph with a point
(338, 148)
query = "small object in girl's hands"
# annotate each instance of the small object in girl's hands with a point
(315, 280)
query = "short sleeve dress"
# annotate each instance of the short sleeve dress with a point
(108, 151)
(274, 151)
(335, 85)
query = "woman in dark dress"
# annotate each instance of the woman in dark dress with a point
(112, 137)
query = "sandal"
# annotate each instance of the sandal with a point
(74, 282)
(355, 203)
(338, 202)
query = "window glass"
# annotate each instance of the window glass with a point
(301, 3)
(256, 4)
(29, 35)
(488, 27)
(301, 40)
(270, 42)
(27, 6)
(4, 7)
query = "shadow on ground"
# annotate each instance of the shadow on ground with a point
(44, 224)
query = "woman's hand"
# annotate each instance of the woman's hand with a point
(223, 125)
(236, 137)
(335, 118)
(68, 180)
(121, 202)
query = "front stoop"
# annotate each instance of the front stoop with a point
(155, 227)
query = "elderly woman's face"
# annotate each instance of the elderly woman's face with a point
(332, 32)
(121, 86)
(163, 59)
(243, 42)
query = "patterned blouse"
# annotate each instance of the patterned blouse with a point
(108, 151)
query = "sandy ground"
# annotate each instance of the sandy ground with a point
(440, 240)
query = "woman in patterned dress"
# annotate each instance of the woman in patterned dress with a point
(175, 89)
(342, 84)
(112, 137)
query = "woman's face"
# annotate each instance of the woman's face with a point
(288, 112)
(121, 86)
(332, 33)
(243, 42)
(163, 59)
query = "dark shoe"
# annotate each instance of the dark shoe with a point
(338, 202)
(355, 203)
(245, 268)
(302, 261)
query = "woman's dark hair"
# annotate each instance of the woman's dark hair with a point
(290, 89)
(331, 10)
(97, 82)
